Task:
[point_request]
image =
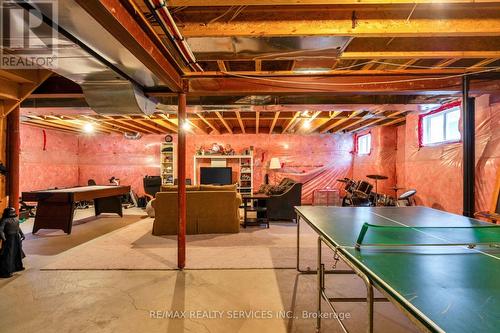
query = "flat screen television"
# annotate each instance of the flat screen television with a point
(216, 175)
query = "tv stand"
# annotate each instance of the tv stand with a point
(245, 170)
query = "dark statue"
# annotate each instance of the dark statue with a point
(11, 252)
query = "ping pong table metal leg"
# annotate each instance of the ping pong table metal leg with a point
(309, 270)
(369, 302)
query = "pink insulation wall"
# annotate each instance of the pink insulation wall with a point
(380, 161)
(69, 160)
(314, 160)
(47, 160)
(104, 156)
(436, 171)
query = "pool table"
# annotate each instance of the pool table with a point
(56, 207)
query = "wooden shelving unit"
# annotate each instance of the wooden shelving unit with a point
(168, 163)
(245, 172)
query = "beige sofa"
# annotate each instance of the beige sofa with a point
(210, 210)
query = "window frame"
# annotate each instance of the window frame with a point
(357, 144)
(442, 109)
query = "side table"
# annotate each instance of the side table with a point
(259, 206)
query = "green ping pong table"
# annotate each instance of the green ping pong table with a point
(442, 270)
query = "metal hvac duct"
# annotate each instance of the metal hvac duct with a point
(111, 77)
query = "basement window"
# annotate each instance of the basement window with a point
(440, 126)
(364, 144)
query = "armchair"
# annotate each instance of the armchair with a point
(280, 206)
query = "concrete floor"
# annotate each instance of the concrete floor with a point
(215, 300)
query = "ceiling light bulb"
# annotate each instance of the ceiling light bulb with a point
(307, 124)
(88, 128)
(186, 126)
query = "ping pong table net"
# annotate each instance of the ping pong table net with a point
(393, 236)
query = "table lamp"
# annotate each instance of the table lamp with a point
(274, 164)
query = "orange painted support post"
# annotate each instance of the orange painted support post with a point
(181, 181)
(14, 143)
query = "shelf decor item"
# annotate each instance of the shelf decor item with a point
(168, 164)
(245, 169)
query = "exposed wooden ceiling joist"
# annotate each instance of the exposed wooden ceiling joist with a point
(240, 121)
(224, 122)
(291, 122)
(257, 120)
(275, 119)
(321, 122)
(338, 122)
(215, 129)
(377, 121)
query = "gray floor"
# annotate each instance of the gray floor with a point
(214, 300)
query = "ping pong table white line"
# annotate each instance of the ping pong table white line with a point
(442, 239)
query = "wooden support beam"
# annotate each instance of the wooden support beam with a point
(385, 84)
(257, 120)
(224, 122)
(238, 116)
(339, 122)
(290, 123)
(181, 185)
(374, 21)
(215, 129)
(275, 119)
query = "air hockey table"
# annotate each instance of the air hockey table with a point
(56, 207)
